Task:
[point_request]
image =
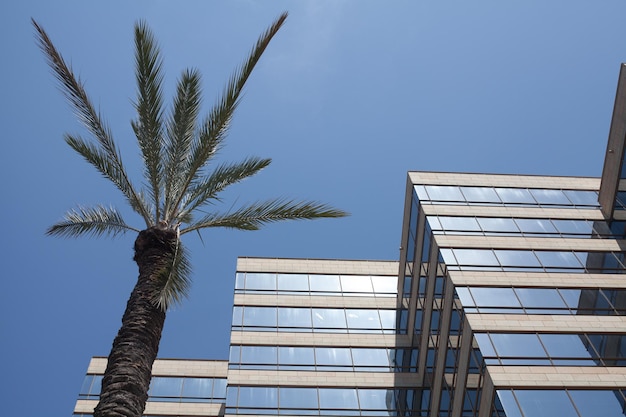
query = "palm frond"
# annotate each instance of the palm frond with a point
(222, 177)
(72, 88)
(98, 158)
(180, 134)
(148, 126)
(174, 279)
(95, 221)
(215, 127)
(255, 215)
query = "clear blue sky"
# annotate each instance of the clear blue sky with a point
(349, 96)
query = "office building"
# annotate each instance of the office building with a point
(508, 299)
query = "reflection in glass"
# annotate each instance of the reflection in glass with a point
(165, 387)
(258, 397)
(444, 193)
(294, 317)
(198, 387)
(540, 297)
(325, 283)
(259, 316)
(598, 403)
(495, 297)
(373, 399)
(338, 398)
(356, 283)
(480, 194)
(536, 226)
(298, 398)
(495, 224)
(522, 258)
(475, 257)
(517, 345)
(327, 318)
(558, 259)
(385, 285)
(545, 403)
(550, 197)
(293, 282)
(515, 195)
(363, 319)
(459, 223)
(259, 281)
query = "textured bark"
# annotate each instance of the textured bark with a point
(127, 377)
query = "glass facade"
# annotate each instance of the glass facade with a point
(477, 272)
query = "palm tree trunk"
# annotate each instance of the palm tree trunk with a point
(129, 369)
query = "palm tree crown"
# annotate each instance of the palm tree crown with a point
(176, 148)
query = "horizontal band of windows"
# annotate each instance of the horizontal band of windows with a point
(317, 284)
(533, 260)
(310, 401)
(505, 196)
(588, 349)
(322, 358)
(562, 403)
(538, 227)
(170, 389)
(605, 301)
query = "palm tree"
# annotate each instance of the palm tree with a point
(176, 150)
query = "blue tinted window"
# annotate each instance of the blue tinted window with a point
(480, 194)
(259, 281)
(515, 195)
(444, 193)
(293, 282)
(550, 197)
(338, 398)
(298, 398)
(540, 403)
(598, 403)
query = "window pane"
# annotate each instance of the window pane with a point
(508, 403)
(480, 194)
(444, 193)
(363, 319)
(515, 195)
(493, 224)
(325, 283)
(293, 282)
(298, 398)
(388, 318)
(558, 259)
(237, 315)
(517, 258)
(198, 387)
(459, 223)
(259, 316)
(494, 297)
(356, 283)
(374, 399)
(512, 345)
(550, 197)
(333, 356)
(573, 226)
(338, 398)
(165, 387)
(485, 345)
(219, 388)
(370, 357)
(564, 346)
(597, 403)
(465, 296)
(258, 281)
(294, 317)
(536, 226)
(571, 296)
(476, 257)
(583, 198)
(549, 403)
(296, 356)
(258, 397)
(385, 285)
(240, 280)
(540, 297)
(258, 354)
(329, 318)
